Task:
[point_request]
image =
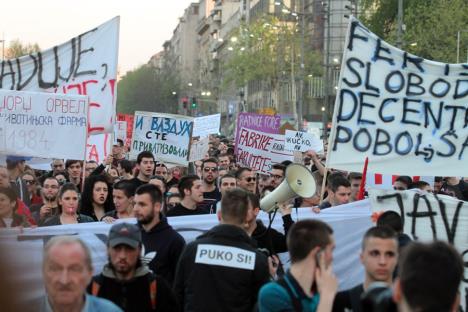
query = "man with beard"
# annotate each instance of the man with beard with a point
(190, 190)
(16, 166)
(211, 193)
(49, 207)
(145, 166)
(162, 244)
(73, 168)
(125, 280)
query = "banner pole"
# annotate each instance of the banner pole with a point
(322, 192)
(360, 195)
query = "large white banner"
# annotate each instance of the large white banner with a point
(428, 217)
(206, 125)
(98, 147)
(407, 114)
(85, 65)
(166, 136)
(349, 223)
(42, 124)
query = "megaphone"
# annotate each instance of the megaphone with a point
(298, 181)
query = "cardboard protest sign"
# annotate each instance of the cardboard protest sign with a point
(427, 217)
(129, 120)
(302, 141)
(98, 147)
(199, 149)
(206, 125)
(84, 65)
(120, 131)
(42, 124)
(406, 114)
(258, 146)
(166, 136)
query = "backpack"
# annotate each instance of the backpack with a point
(153, 288)
(297, 304)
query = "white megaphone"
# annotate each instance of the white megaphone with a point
(298, 181)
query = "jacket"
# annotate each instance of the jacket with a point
(270, 238)
(167, 245)
(134, 294)
(220, 271)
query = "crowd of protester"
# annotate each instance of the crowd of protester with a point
(235, 265)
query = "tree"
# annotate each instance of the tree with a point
(18, 49)
(431, 25)
(148, 88)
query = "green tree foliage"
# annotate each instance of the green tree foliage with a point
(268, 50)
(148, 89)
(431, 25)
(17, 49)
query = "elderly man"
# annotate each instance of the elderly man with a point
(67, 271)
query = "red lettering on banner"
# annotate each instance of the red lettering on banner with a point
(255, 140)
(93, 153)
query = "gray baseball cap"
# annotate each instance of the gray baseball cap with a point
(124, 233)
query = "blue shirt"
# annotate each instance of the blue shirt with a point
(274, 297)
(92, 304)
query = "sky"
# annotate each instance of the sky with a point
(144, 24)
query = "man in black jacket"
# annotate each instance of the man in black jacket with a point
(162, 244)
(222, 263)
(125, 280)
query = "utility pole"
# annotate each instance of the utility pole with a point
(399, 42)
(327, 81)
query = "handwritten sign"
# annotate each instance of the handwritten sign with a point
(85, 65)
(302, 141)
(199, 149)
(166, 136)
(98, 147)
(206, 125)
(120, 131)
(129, 120)
(407, 114)
(41, 124)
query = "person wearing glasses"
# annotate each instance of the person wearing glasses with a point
(190, 190)
(246, 179)
(277, 175)
(49, 205)
(211, 193)
(31, 184)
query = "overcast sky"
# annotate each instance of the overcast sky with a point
(144, 24)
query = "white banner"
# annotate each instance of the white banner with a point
(166, 136)
(199, 149)
(41, 124)
(349, 223)
(206, 125)
(407, 114)
(120, 131)
(85, 65)
(302, 141)
(98, 147)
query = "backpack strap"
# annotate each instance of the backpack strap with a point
(153, 289)
(297, 304)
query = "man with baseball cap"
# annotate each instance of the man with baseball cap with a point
(126, 280)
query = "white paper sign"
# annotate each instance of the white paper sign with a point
(120, 131)
(166, 136)
(302, 141)
(85, 65)
(98, 147)
(199, 149)
(206, 125)
(406, 114)
(42, 124)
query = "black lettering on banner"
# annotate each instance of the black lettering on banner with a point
(446, 69)
(465, 67)
(428, 152)
(397, 89)
(8, 73)
(454, 114)
(72, 62)
(363, 104)
(21, 85)
(444, 91)
(356, 140)
(385, 102)
(80, 53)
(450, 230)
(409, 140)
(368, 85)
(452, 148)
(466, 119)
(465, 145)
(414, 82)
(377, 56)
(412, 59)
(407, 110)
(42, 83)
(399, 200)
(340, 116)
(354, 71)
(458, 94)
(380, 142)
(353, 35)
(428, 112)
(415, 215)
(339, 139)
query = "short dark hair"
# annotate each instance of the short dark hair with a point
(420, 184)
(254, 200)
(383, 232)
(209, 160)
(391, 219)
(9, 192)
(50, 178)
(126, 186)
(305, 235)
(144, 154)
(241, 170)
(234, 206)
(152, 190)
(430, 275)
(186, 183)
(336, 182)
(354, 176)
(227, 175)
(279, 167)
(120, 142)
(126, 165)
(405, 180)
(70, 162)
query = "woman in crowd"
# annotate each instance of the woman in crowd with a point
(122, 195)
(96, 199)
(31, 184)
(8, 208)
(68, 207)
